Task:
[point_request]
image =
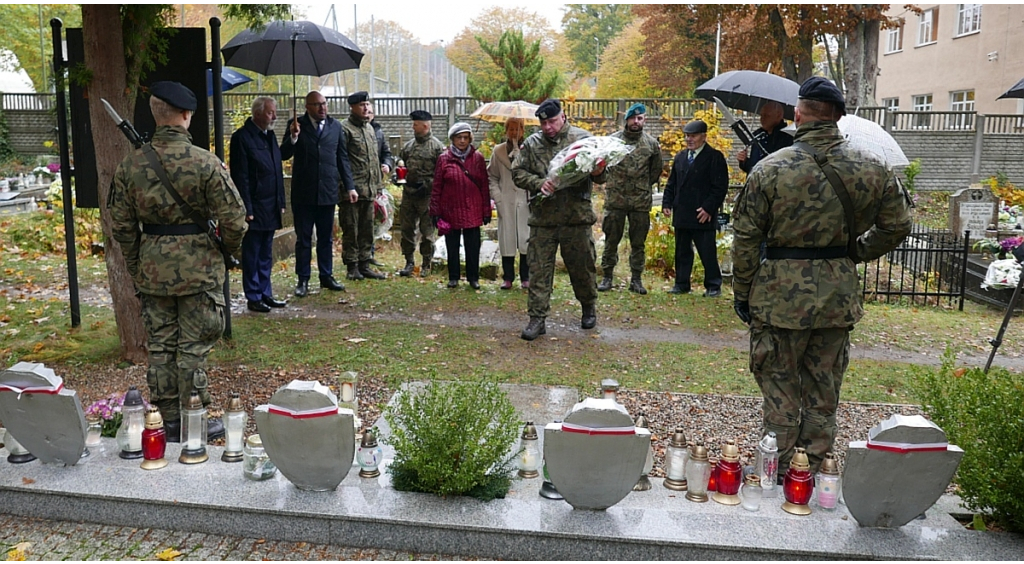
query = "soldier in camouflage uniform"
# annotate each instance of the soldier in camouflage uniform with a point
(561, 218)
(420, 156)
(629, 196)
(175, 265)
(356, 207)
(803, 300)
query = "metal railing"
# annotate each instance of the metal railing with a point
(929, 267)
(872, 113)
(28, 101)
(932, 121)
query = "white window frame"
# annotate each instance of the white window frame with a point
(961, 101)
(894, 40)
(968, 19)
(891, 104)
(920, 105)
(926, 27)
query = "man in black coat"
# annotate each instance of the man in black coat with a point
(256, 171)
(320, 167)
(694, 194)
(770, 137)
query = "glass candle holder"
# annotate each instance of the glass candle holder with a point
(751, 493)
(234, 429)
(798, 485)
(609, 388)
(827, 483)
(193, 432)
(16, 453)
(728, 475)
(256, 465)
(94, 431)
(133, 422)
(530, 457)
(676, 457)
(698, 472)
(347, 382)
(766, 463)
(713, 477)
(369, 455)
(154, 441)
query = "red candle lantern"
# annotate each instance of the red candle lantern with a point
(154, 441)
(728, 475)
(713, 480)
(798, 485)
(401, 172)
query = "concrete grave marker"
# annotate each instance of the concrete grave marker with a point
(595, 457)
(899, 472)
(974, 208)
(307, 436)
(45, 417)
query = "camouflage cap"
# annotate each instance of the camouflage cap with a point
(175, 94)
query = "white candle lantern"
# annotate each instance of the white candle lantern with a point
(133, 422)
(347, 382)
(676, 457)
(193, 432)
(234, 430)
(529, 457)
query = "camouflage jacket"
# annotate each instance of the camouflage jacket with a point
(174, 265)
(788, 202)
(629, 182)
(569, 205)
(361, 142)
(420, 157)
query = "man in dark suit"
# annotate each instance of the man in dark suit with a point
(694, 194)
(256, 171)
(321, 165)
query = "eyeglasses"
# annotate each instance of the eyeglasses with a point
(316, 104)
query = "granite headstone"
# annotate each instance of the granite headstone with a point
(44, 416)
(975, 209)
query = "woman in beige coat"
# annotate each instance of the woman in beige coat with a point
(512, 205)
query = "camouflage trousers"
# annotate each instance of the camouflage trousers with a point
(356, 230)
(181, 331)
(415, 212)
(800, 372)
(613, 225)
(579, 256)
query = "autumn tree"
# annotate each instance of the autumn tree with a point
(590, 28)
(621, 75)
(390, 48)
(28, 41)
(676, 50)
(523, 74)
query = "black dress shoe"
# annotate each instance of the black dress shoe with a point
(474, 285)
(453, 283)
(173, 430)
(302, 289)
(267, 300)
(214, 429)
(679, 290)
(257, 306)
(331, 284)
(712, 293)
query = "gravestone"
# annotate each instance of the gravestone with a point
(307, 436)
(44, 416)
(899, 472)
(595, 457)
(974, 208)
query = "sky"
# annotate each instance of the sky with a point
(424, 19)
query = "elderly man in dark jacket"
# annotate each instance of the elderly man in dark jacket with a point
(321, 165)
(256, 171)
(694, 194)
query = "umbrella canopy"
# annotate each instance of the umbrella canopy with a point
(1015, 91)
(500, 111)
(867, 136)
(749, 90)
(289, 47)
(228, 79)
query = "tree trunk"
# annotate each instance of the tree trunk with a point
(104, 58)
(862, 62)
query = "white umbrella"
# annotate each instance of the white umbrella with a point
(867, 136)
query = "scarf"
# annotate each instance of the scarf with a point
(461, 154)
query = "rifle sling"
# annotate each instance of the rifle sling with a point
(161, 173)
(840, 189)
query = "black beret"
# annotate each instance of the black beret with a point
(822, 90)
(695, 126)
(358, 98)
(548, 109)
(175, 94)
(420, 115)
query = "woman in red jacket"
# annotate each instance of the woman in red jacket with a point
(461, 198)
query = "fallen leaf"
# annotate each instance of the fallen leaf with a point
(38, 347)
(168, 554)
(432, 336)
(41, 320)
(27, 481)
(343, 325)
(357, 340)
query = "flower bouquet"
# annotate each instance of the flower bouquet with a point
(577, 161)
(109, 410)
(1002, 274)
(383, 213)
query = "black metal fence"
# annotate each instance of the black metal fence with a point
(929, 267)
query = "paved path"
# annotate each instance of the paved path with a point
(64, 540)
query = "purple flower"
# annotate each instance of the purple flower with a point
(53, 167)
(1010, 244)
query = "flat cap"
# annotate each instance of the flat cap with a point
(695, 126)
(548, 109)
(460, 127)
(358, 98)
(636, 109)
(175, 94)
(420, 115)
(822, 90)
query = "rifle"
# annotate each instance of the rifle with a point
(740, 128)
(209, 225)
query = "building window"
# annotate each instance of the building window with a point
(961, 101)
(891, 104)
(923, 103)
(968, 19)
(894, 40)
(928, 26)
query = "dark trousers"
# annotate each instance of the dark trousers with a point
(508, 268)
(471, 240)
(257, 261)
(704, 241)
(306, 217)
(356, 230)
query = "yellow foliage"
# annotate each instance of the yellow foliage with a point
(18, 552)
(1005, 190)
(168, 554)
(660, 246)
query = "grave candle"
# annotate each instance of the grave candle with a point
(751, 493)
(234, 428)
(729, 475)
(193, 432)
(369, 456)
(698, 470)
(154, 441)
(609, 388)
(530, 457)
(676, 456)
(798, 485)
(94, 433)
(827, 483)
(129, 434)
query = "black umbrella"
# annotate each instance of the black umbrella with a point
(1015, 91)
(290, 47)
(749, 90)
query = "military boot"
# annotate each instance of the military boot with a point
(425, 269)
(589, 319)
(636, 284)
(534, 329)
(364, 269)
(410, 265)
(607, 282)
(353, 272)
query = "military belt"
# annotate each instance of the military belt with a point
(805, 253)
(158, 229)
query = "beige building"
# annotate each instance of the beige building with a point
(952, 57)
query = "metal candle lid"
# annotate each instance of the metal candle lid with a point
(700, 452)
(829, 465)
(235, 403)
(641, 421)
(609, 384)
(369, 441)
(730, 453)
(132, 398)
(769, 442)
(678, 438)
(529, 431)
(153, 418)
(194, 402)
(753, 480)
(254, 441)
(800, 461)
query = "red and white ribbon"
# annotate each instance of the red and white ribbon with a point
(571, 428)
(904, 448)
(33, 390)
(305, 413)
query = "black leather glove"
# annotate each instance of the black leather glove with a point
(742, 310)
(487, 220)
(434, 219)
